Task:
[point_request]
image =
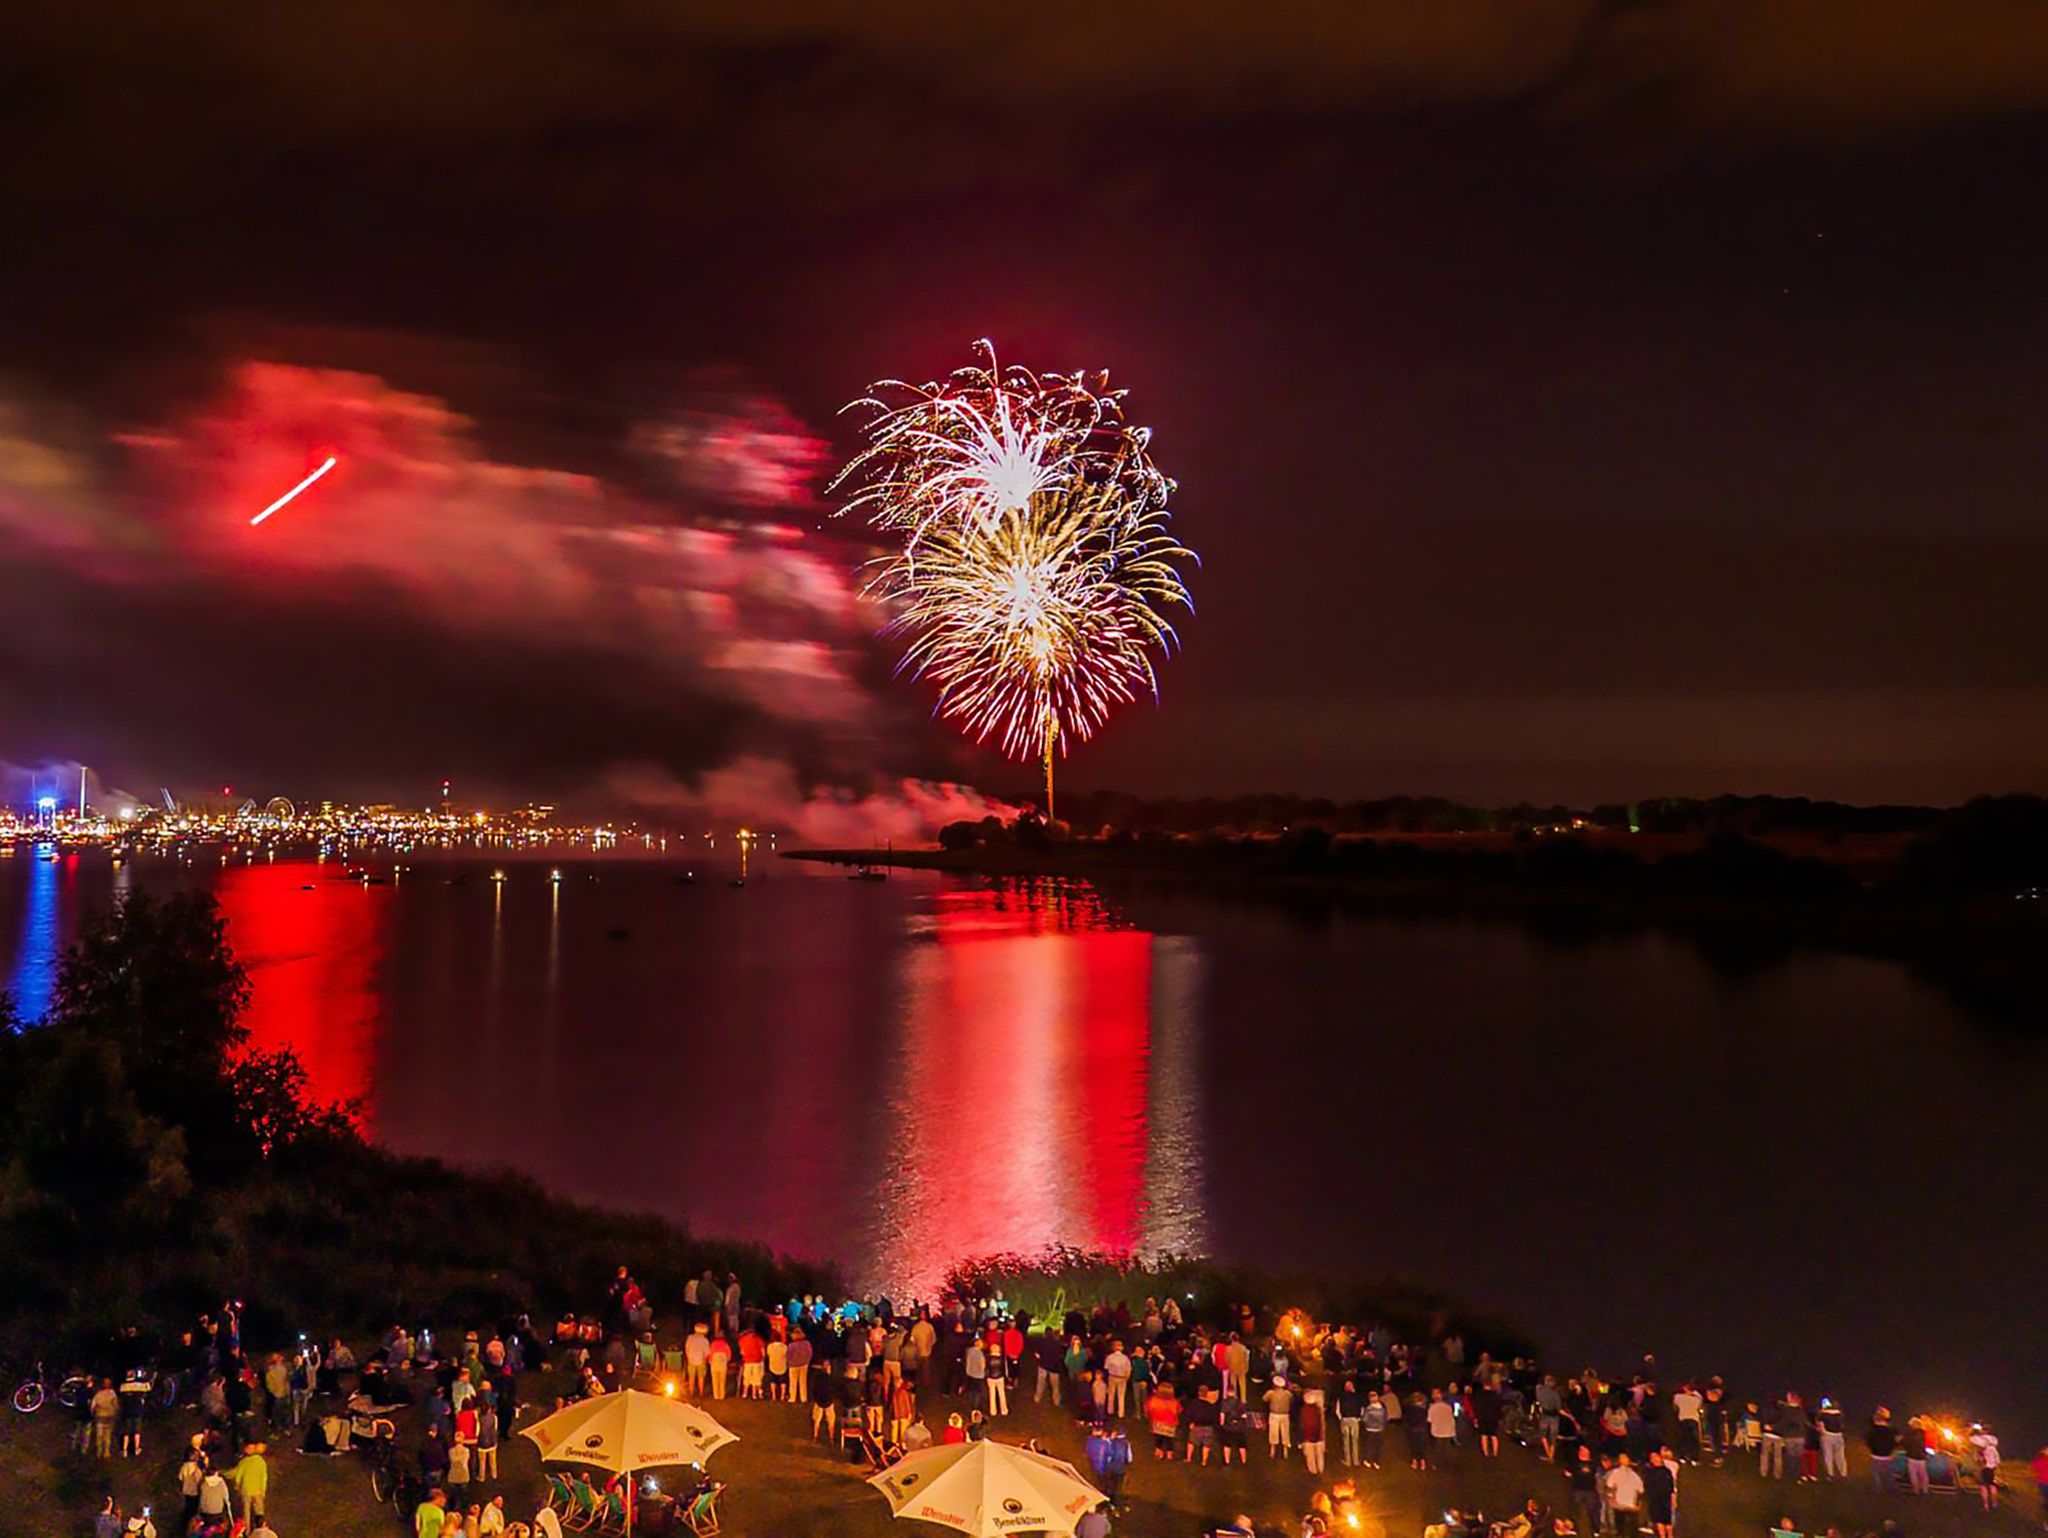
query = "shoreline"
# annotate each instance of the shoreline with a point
(1990, 954)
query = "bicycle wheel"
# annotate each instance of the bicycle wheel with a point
(74, 1391)
(167, 1391)
(384, 1484)
(29, 1397)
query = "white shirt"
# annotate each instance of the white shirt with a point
(1687, 1406)
(1987, 1449)
(1443, 1419)
(1624, 1489)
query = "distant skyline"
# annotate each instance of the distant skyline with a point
(1570, 402)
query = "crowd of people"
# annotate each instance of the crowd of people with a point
(1204, 1393)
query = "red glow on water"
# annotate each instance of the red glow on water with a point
(313, 947)
(1024, 1122)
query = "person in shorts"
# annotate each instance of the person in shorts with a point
(1203, 1417)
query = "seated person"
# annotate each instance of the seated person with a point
(325, 1436)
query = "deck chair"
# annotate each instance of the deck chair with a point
(852, 1432)
(672, 1364)
(701, 1516)
(584, 1505)
(557, 1497)
(878, 1453)
(646, 1360)
(611, 1513)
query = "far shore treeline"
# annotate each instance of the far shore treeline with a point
(154, 1165)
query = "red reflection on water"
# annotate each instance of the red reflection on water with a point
(1021, 1119)
(313, 946)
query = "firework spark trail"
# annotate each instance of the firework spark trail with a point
(1034, 569)
(986, 439)
(1039, 621)
(289, 496)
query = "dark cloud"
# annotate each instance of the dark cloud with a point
(1591, 352)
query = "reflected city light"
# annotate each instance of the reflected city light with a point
(314, 951)
(34, 980)
(1034, 1029)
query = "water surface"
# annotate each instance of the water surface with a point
(1812, 1173)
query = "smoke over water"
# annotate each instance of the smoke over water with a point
(665, 593)
(767, 793)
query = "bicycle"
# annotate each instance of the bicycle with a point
(390, 1480)
(34, 1391)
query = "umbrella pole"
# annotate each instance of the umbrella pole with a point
(629, 1503)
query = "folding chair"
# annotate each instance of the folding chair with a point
(702, 1516)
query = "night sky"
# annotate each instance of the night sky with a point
(1569, 400)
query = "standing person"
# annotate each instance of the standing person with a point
(902, 1407)
(1549, 1406)
(1688, 1405)
(1985, 1442)
(1792, 1426)
(431, 1515)
(697, 1361)
(134, 1400)
(105, 1410)
(2039, 1469)
(1584, 1479)
(1442, 1417)
(799, 1368)
(778, 1366)
(1162, 1415)
(1660, 1492)
(191, 1473)
(753, 1365)
(1377, 1411)
(213, 1498)
(277, 1388)
(486, 1461)
(1415, 1425)
(1109, 1455)
(1204, 1417)
(1051, 1357)
(1625, 1497)
(1883, 1441)
(1486, 1411)
(1350, 1416)
(1913, 1440)
(1237, 1367)
(1770, 1458)
(1314, 1429)
(1116, 1367)
(1834, 1442)
(1279, 1419)
(721, 1364)
(1234, 1423)
(974, 1364)
(301, 1384)
(251, 1479)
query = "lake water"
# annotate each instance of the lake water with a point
(1816, 1172)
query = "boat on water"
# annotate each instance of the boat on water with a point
(867, 873)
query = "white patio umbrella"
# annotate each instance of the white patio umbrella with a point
(986, 1489)
(626, 1432)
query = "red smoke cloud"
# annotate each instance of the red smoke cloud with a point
(766, 792)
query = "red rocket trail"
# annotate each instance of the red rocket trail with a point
(326, 465)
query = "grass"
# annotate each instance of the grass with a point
(783, 1485)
